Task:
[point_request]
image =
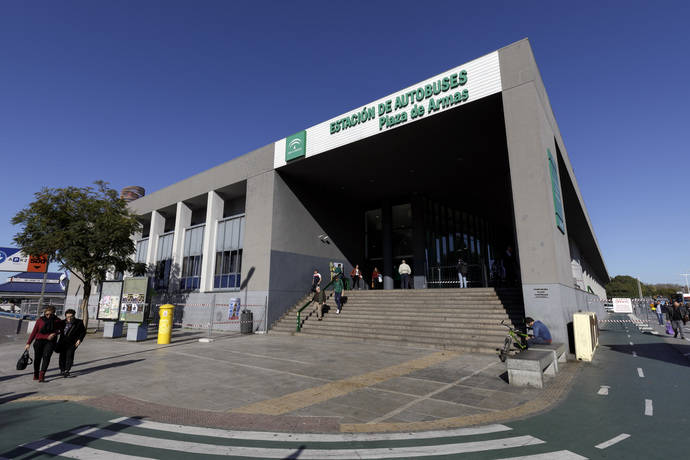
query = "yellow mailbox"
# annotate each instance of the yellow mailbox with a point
(165, 323)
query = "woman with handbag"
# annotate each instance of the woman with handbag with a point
(45, 331)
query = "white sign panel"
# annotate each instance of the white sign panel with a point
(448, 90)
(621, 305)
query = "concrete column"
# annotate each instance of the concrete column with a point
(387, 229)
(214, 212)
(418, 243)
(157, 228)
(183, 219)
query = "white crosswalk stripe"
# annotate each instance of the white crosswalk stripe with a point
(161, 440)
(65, 449)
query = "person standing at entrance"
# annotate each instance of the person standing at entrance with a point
(45, 332)
(462, 273)
(356, 275)
(72, 336)
(510, 266)
(405, 271)
(338, 293)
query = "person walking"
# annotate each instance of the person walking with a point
(376, 279)
(315, 280)
(405, 271)
(462, 272)
(72, 336)
(356, 275)
(45, 333)
(678, 316)
(338, 293)
(319, 299)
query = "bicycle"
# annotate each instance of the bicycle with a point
(516, 337)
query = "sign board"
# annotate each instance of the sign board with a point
(134, 307)
(109, 301)
(449, 90)
(13, 260)
(622, 305)
(541, 293)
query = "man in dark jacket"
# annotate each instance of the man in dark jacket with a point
(677, 313)
(72, 336)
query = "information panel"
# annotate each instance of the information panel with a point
(622, 305)
(109, 301)
(135, 300)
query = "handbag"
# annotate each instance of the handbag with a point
(669, 329)
(24, 360)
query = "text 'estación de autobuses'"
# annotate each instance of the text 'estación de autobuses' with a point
(411, 105)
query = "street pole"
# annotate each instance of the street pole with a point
(43, 290)
(687, 288)
(639, 288)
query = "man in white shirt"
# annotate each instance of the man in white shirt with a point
(405, 271)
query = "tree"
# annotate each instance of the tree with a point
(626, 286)
(86, 230)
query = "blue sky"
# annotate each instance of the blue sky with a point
(151, 92)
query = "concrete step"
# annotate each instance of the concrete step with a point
(464, 346)
(465, 332)
(422, 322)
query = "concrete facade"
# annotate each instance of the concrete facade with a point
(287, 227)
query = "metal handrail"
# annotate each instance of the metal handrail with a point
(299, 312)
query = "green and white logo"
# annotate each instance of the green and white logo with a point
(296, 146)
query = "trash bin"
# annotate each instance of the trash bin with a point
(165, 323)
(246, 322)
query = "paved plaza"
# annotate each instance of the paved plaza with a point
(286, 383)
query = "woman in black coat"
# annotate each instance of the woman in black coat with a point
(72, 336)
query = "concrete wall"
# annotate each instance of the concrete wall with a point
(543, 250)
(296, 250)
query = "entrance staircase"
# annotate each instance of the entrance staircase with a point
(456, 319)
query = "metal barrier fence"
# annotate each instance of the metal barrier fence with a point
(447, 276)
(213, 316)
(33, 308)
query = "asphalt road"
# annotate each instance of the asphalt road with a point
(620, 406)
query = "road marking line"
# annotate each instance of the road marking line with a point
(648, 407)
(604, 390)
(427, 396)
(634, 353)
(306, 437)
(254, 452)
(310, 396)
(65, 449)
(612, 441)
(560, 455)
(640, 373)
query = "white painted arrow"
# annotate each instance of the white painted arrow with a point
(604, 390)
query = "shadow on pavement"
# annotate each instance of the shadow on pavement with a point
(14, 376)
(107, 366)
(659, 351)
(69, 438)
(5, 399)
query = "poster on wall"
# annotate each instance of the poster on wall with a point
(135, 300)
(109, 301)
(622, 305)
